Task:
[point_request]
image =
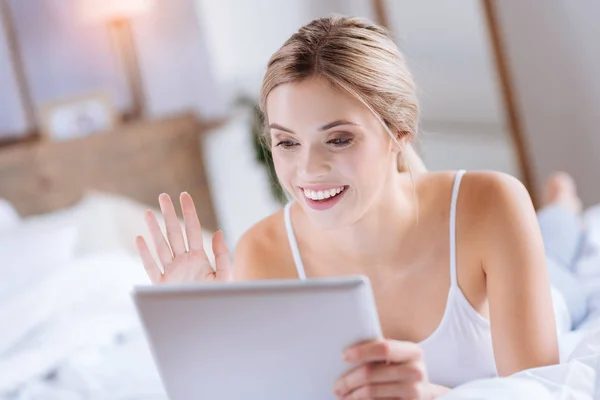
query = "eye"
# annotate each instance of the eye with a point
(340, 142)
(286, 144)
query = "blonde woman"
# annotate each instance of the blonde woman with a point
(456, 260)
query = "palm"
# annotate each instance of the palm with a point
(182, 262)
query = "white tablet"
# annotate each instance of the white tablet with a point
(259, 340)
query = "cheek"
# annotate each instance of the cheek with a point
(366, 163)
(370, 170)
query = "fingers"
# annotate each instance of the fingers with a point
(193, 228)
(385, 391)
(381, 391)
(154, 273)
(172, 225)
(391, 351)
(389, 369)
(162, 247)
(221, 252)
(370, 374)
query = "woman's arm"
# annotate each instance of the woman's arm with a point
(513, 259)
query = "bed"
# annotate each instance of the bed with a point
(69, 214)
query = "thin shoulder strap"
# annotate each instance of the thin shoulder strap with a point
(457, 181)
(293, 243)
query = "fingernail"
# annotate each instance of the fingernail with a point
(337, 390)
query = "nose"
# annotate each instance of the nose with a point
(313, 163)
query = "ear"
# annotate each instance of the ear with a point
(400, 142)
(405, 137)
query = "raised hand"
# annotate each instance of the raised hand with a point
(182, 262)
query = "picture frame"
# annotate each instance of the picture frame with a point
(78, 116)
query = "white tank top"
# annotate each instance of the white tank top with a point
(460, 349)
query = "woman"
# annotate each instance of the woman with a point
(456, 261)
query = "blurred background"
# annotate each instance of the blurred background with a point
(104, 104)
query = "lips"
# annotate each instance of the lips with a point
(324, 197)
(323, 194)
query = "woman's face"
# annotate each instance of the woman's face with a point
(330, 152)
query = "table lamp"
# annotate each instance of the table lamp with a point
(117, 15)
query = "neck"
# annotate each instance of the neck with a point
(376, 237)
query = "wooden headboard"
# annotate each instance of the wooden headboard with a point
(138, 160)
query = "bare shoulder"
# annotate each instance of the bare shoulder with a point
(481, 192)
(492, 196)
(263, 251)
(490, 203)
(496, 214)
(494, 183)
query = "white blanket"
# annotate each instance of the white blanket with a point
(72, 332)
(75, 335)
(575, 379)
(86, 343)
(83, 330)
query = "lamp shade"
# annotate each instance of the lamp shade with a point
(95, 11)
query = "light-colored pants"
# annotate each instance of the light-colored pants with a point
(563, 236)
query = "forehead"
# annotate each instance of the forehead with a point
(314, 102)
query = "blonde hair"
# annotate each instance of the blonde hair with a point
(360, 58)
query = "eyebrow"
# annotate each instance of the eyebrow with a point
(325, 127)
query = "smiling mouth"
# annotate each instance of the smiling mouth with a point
(323, 195)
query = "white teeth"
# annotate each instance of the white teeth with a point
(322, 194)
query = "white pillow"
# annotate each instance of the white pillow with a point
(9, 218)
(30, 253)
(96, 219)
